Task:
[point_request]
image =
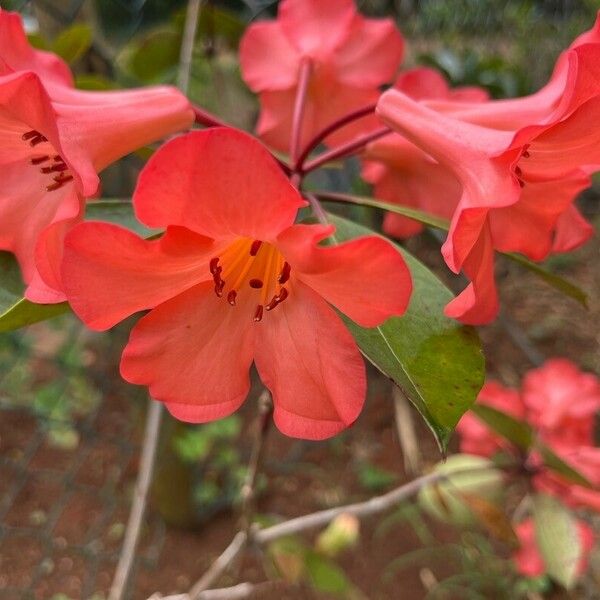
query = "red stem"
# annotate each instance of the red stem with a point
(327, 131)
(299, 105)
(345, 150)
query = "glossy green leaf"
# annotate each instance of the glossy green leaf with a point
(557, 537)
(517, 432)
(16, 311)
(552, 279)
(73, 42)
(119, 212)
(557, 464)
(326, 576)
(435, 360)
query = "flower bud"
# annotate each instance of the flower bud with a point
(342, 533)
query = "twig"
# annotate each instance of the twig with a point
(187, 44)
(236, 592)
(136, 516)
(220, 565)
(327, 131)
(299, 105)
(263, 422)
(521, 340)
(345, 150)
(317, 208)
(405, 426)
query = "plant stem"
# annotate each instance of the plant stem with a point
(345, 150)
(187, 45)
(299, 105)
(136, 516)
(327, 131)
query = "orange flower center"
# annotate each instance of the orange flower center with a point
(50, 164)
(254, 267)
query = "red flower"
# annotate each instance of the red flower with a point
(231, 281)
(515, 184)
(478, 438)
(350, 58)
(529, 561)
(402, 173)
(55, 140)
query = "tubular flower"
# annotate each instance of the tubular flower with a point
(55, 140)
(526, 179)
(349, 58)
(402, 173)
(233, 280)
(528, 559)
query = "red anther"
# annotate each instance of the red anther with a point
(39, 160)
(213, 264)
(258, 315)
(59, 182)
(219, 285)
(285, 273)
(30, 134)
(256, 284)
(37, 140)
(283, 294)
(231, 297)
(256, 244)
(525, 152)
(55, 168)
(518, 171)
(57, 158)
(521, 183)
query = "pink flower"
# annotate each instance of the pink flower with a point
(233, 281)
(55, 140)
(529, 561)
(562, 402)
(478, 438)
(504, 174)
(402, 173)
(350, 58)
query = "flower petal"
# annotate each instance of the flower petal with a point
(371, 54)
(367, 278)
(267, 58)
(18, 55)
(194, 353)
(315, 27)
(312, 366)
(110, 273)
(572, 231)
(219, 182)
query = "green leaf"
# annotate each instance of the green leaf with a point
(326, 576)
(557, 537)
(557, 464)
(517, 432)
(94, 82)
(552, 279)
(435, 360)
(73, 42)
(556, 281)
(16, 311)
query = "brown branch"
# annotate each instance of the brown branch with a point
(407, 436)
(138, 508)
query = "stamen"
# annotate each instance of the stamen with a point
(258, 315)
(55, 168)
(231, 297)
(256, 284)
(521, 183)
(60, 181)
(285, 273)
(256, 244)
(33, 137)
(219, 286)
(39, 160)
(518, 171)
(214, 264)
(276, 300)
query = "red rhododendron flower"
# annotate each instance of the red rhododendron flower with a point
(562, 402)
(478, 438)
(350, 58)
(54, 142)
(516, 184)
(231, 281)
(402, 173)
(529, 561)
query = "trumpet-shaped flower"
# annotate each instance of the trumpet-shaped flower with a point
(55, 140)
(233, 281)
(526, 178)
(349, 58)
